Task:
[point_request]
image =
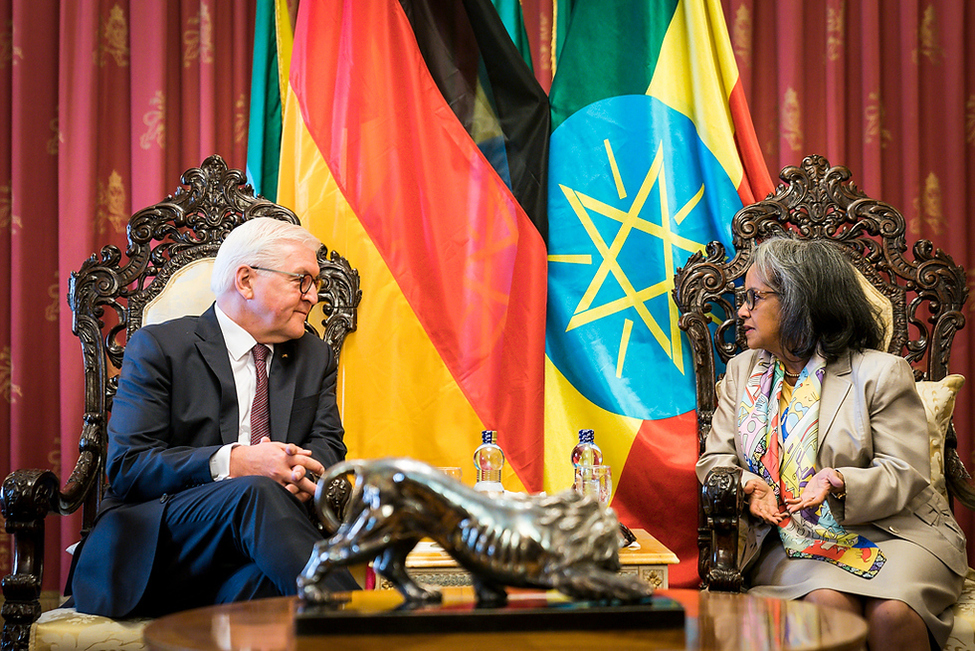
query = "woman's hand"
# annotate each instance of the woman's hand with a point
(762, 502)
(816, 490)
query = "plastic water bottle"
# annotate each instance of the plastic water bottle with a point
(586, 452)
(489, 460)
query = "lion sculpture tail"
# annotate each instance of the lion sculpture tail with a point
(323, 500)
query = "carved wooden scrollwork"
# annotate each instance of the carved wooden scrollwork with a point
(816, 200)
(339, 298)
(107, 296)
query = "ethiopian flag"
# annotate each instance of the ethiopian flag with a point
(410, 145)
(652, 153)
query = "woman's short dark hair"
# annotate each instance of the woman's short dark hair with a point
(822, 301)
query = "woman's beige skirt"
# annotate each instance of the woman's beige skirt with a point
(911, 574)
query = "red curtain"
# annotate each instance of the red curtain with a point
(103, 105)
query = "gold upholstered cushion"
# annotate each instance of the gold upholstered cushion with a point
(65, 629)
(939, 403)
(881, 304)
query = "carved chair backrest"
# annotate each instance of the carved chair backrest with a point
(165, 273)
(815, 200)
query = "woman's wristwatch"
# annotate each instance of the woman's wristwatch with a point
(838, 493)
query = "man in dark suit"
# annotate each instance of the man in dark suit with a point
(208, 462)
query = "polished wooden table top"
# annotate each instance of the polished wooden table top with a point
(715, 621)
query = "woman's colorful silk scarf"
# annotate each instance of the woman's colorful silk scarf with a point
(782, 449)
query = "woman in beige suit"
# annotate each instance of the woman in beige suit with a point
(832, 439)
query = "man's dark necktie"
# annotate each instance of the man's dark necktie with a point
(260, 410)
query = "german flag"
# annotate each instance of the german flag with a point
(414, 143)
(652, 154)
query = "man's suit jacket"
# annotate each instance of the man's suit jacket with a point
(872, 428)
(176, 406)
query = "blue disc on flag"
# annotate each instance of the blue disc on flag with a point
(633, 192)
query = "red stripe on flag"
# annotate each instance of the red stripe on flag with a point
(755, 181)
(465, 255)
(658, 490)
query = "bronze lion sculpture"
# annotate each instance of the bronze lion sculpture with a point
(564, 542)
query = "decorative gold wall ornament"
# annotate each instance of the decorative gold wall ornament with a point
(741, 36)
(114, 39)
(240, 119)
(54, 456)
(8, 390)
(54, 142)
(791, 129)
(873, 119)
(111, 211)
(198, 38)
(835, 31)
(929, 205)
(54, 292)
(927, 38)
(5, 205)
(970, 119)
(9, 53)
(155, 120)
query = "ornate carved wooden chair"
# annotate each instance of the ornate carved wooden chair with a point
(165, 273)
(922, 300)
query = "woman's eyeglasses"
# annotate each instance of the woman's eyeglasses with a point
(305, 282)
(753, 295)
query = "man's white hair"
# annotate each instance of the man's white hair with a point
(257, 242)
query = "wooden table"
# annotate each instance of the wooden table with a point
(715, 621)
(648, 558)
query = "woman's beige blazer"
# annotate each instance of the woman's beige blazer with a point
(872, 429)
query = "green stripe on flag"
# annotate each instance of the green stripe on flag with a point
(615, 53)
(264, 130)
(514, 23)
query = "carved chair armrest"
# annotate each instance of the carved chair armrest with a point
(723, 501)
(26, 497)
